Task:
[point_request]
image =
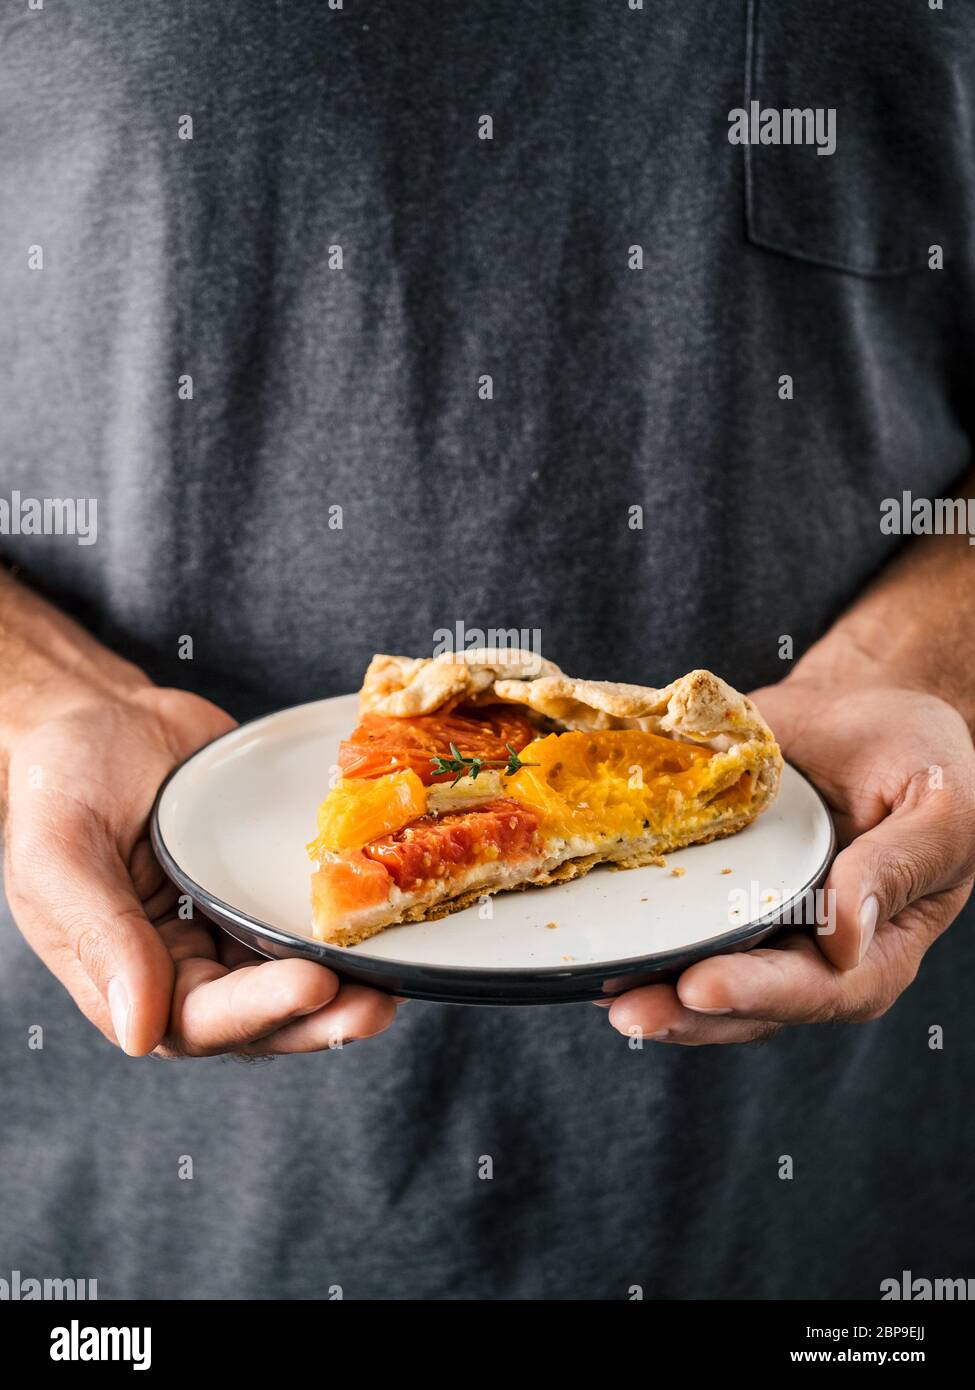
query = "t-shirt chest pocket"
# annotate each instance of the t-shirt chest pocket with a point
(890, 85)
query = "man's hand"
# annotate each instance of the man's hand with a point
(897, 767)
(91, 899)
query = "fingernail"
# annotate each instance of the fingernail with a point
(118, 1007)
(696, 1008)
(658, 1037)
(867, 922)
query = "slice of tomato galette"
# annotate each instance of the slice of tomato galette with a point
(479, 771)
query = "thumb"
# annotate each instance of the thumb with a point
(910, 854)
(72, 897)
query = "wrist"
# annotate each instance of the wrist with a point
(844, 654)
(46, 692)
(49, 665)
(862, 651)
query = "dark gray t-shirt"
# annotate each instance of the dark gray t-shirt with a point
(318, 386)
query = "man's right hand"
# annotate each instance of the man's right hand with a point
(92, 901)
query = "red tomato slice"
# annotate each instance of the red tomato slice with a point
(440, 846)
(382, 744)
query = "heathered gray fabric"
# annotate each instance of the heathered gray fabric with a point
(613, 387)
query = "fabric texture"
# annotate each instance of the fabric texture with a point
(613, 387)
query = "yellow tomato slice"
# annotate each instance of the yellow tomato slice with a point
(359, 810)
(616, 781)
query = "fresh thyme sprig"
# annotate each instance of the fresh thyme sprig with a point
(470, 767)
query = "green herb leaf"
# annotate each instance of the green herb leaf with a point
(471, 767)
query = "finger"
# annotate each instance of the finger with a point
(197, 935)
(233, 952)
(914, 852)
(72, 895)
(655, 1013)
(162, 904)
(146, 872)
(792, 982)
(219, 1010)
(188, 939)
(357, 1012)
(155, 891)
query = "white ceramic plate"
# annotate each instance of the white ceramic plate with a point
(230, 826)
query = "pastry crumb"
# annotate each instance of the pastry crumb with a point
(727, 871)
(644, 900)
(568, 957)
(678, 873)
(551, 926)
(769, 898)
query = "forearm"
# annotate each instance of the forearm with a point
(916, 621)
(48, 662)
